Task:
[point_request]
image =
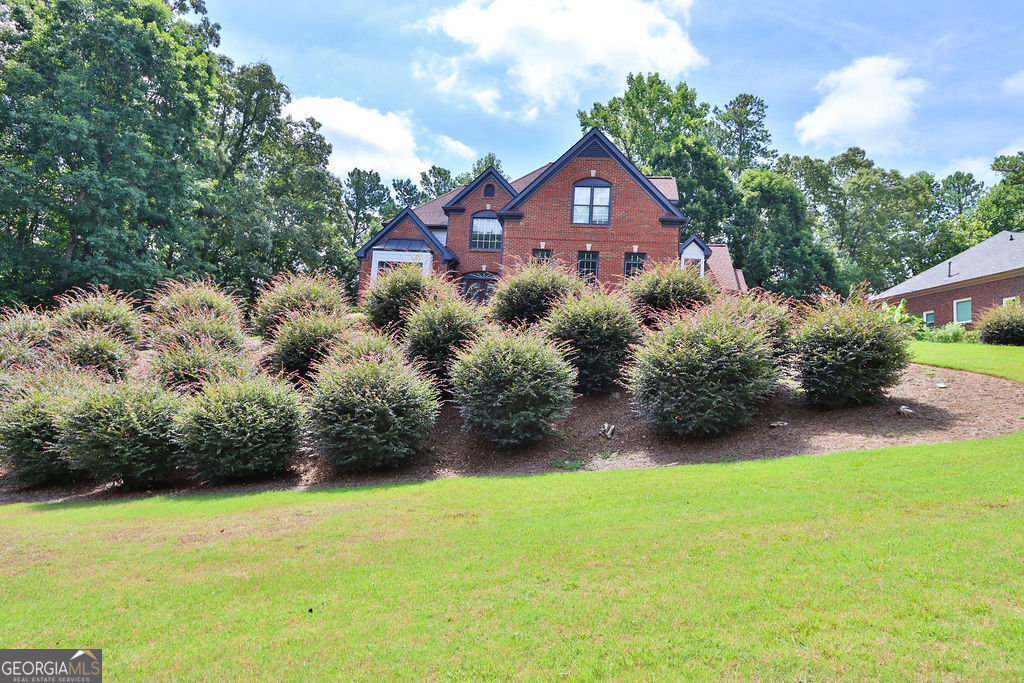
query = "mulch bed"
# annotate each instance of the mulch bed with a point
(969, 406)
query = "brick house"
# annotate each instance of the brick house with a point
(988, 274)
(591, 209)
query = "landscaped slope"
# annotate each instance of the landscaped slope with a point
(901, 562)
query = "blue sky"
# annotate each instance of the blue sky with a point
(935, 86)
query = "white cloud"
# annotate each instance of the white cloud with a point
(363, 138)
(1014, 84)
(453, 147)
(868, 103)
(447, 75)
(979, 167)
(1012, 148)
(546, 50)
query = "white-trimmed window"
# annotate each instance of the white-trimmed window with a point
(962, 311)
(485, 232)
(929, 318)
(1010, 299)
(693, 257)
(385, 259)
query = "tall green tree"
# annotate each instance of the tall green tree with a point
(739, 133)
(649, 114)
(876, 220)
(437, 181)
(103, 104)
(954, 228)
(771, 238)
(406, 193)
(707, 195)
(1002, 208)
(270, 203)
(479, 166)
(957, 195)
(368, 199)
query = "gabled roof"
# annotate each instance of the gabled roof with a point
(595, 143)
(489, 174)
(433, 216)
(720, 265)
(447, 255)
(1000, 253)
(693, 239)
(520, 184)
(432, 212)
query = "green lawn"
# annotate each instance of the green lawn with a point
(1001, 361)
(895, 563)
(891, 563)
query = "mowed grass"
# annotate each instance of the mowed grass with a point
(1001, 361)
(894, 563)
(902, 562)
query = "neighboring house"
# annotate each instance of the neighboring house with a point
(959, 289)
(591, 209)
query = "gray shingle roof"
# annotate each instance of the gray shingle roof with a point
(1000, 253)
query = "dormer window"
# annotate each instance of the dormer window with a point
(489, 190)
(695, 263)
(591, 202)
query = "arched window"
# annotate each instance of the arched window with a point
(489, 190)
(592, 202)
(477, 286)
(485, 231)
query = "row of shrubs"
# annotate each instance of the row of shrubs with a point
(696, 362)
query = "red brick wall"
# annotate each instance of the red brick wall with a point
(459, 224)
(983, 296)
(547, 217)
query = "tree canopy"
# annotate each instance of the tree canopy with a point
(130, 151)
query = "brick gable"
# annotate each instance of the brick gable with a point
(635, 219)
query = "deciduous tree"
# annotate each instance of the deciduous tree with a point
(103, 105)
(771, 237)
(479, 166)
(649, 114)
